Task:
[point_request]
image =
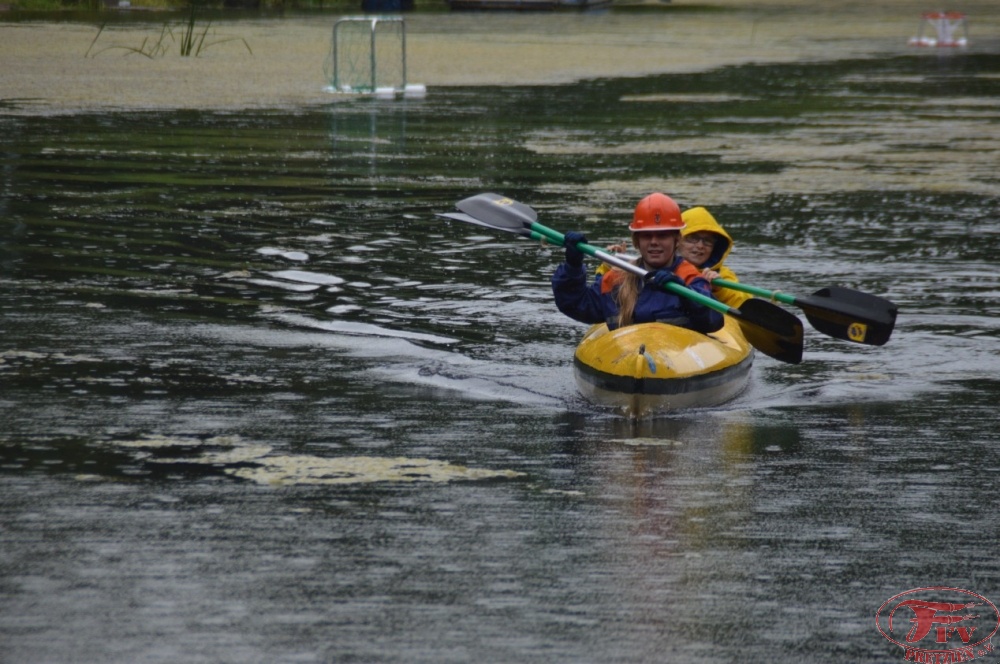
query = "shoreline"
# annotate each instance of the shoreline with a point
(75, 67)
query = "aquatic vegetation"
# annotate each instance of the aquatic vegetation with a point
(191, 40)
(260, 464)
(304, 469)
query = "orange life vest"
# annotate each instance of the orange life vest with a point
(612, 279)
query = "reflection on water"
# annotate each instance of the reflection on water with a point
(259, 404)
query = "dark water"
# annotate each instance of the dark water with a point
(259, 405)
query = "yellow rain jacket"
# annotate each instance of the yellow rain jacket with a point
(700, 220)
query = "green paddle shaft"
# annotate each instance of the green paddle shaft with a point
(842, 313)
(768, 327)
(754, 290)
(540, 232)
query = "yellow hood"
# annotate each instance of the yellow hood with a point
(699, 220)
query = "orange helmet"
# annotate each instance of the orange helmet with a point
(656, 212)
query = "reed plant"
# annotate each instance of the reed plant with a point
(191, 40)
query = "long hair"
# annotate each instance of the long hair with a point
(626, 295)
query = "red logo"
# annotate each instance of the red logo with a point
(939, 625)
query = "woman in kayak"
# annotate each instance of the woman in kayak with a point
(621, 298)
(706, 245)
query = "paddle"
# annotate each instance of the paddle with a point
(769, 328)
(838, 312)
(841, 313)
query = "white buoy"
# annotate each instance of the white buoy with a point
(415, 91)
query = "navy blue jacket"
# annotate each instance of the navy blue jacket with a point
(588, 304)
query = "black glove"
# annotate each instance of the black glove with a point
(574, 257)
(663, 277)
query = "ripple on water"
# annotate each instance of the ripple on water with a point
(284, 253)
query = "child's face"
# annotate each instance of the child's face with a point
(697, 247)
(656, 247)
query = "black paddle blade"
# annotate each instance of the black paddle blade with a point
(469, 219)
(851, 315)
(498, 211)
(774, 331)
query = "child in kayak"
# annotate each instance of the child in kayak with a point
(620, 298)
(706, 245)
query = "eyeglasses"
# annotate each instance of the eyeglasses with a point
(706, 240)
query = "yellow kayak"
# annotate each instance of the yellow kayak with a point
(654, 367)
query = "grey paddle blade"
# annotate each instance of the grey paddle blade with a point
(469, 219)
(498, 211)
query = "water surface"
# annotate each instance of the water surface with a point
(259, 404)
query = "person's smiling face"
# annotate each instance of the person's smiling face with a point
(656, 247)
(697, 247)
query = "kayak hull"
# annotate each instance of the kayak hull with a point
(653, 368)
